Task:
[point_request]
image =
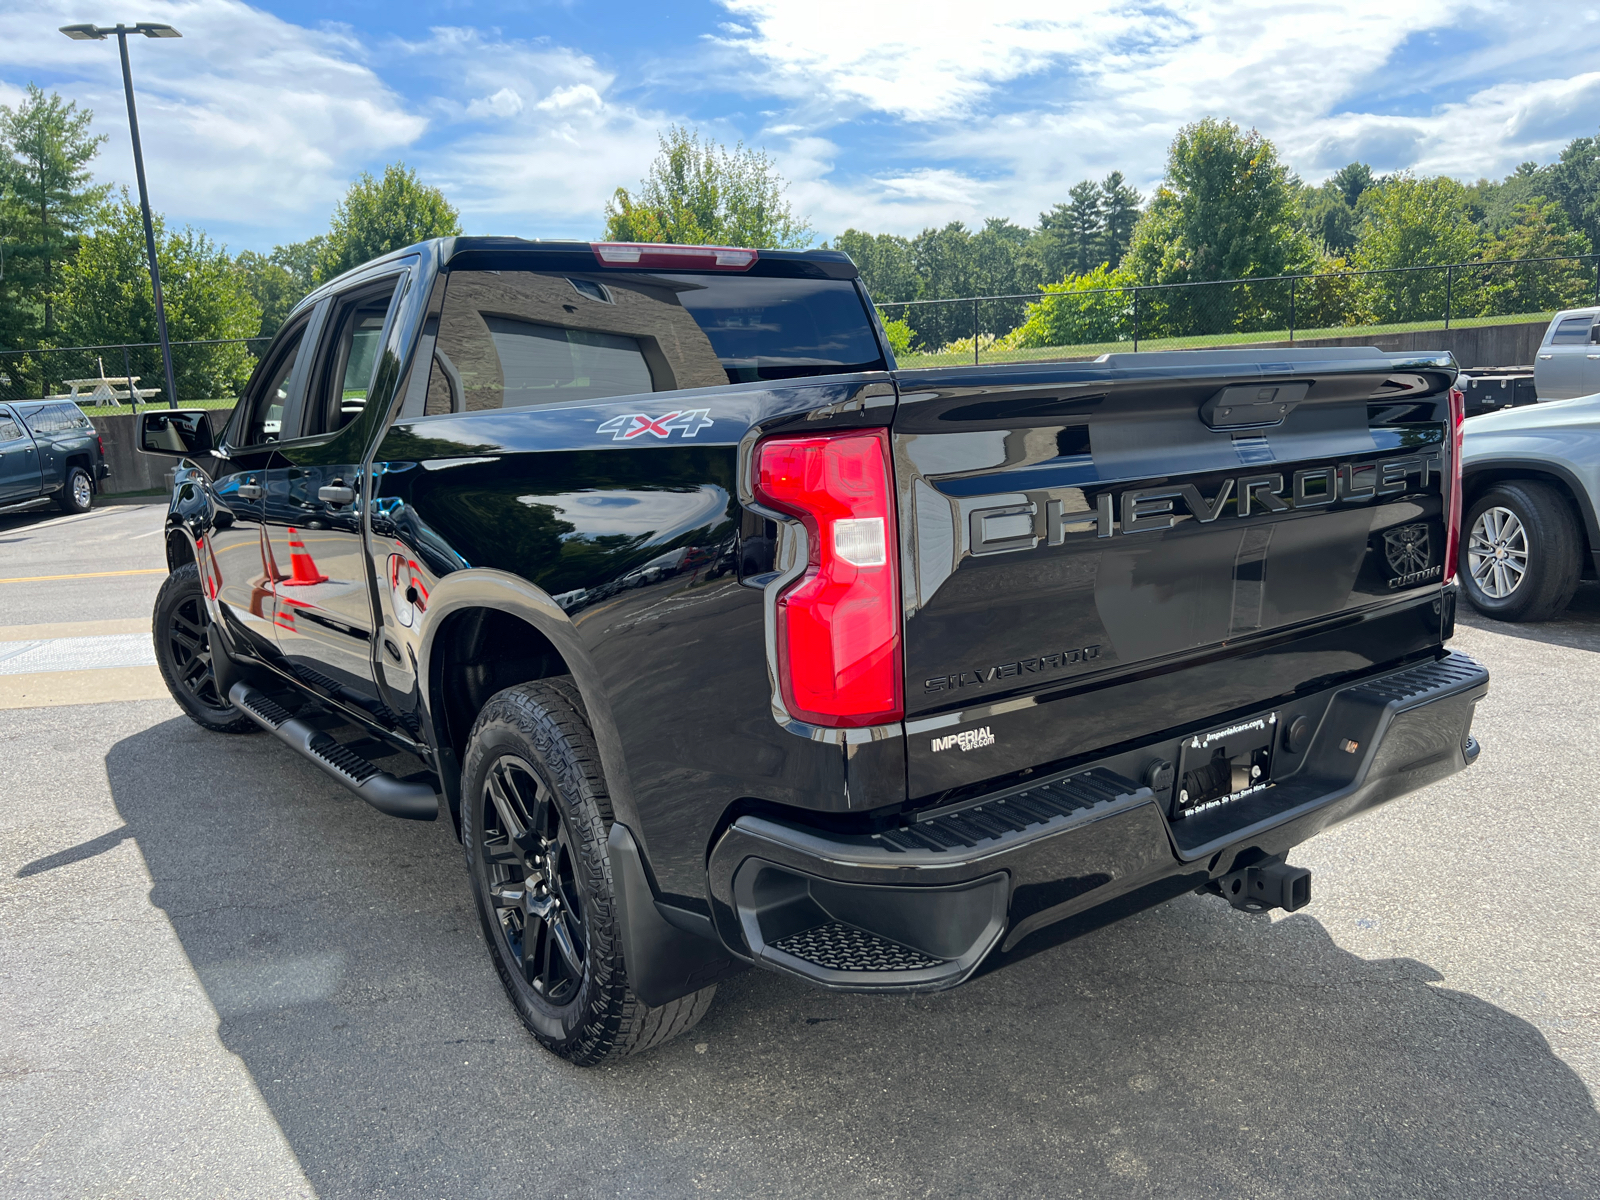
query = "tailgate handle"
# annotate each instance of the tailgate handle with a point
(1252, 405)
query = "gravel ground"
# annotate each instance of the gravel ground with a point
(223, 976)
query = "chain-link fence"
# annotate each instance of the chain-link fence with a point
(1070, 322)
(110, 379)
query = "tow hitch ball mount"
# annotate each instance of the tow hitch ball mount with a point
(1267, 885)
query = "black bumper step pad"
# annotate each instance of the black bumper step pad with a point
(840, 947)
(1041, 804)
(267, 709)
(1422, 682)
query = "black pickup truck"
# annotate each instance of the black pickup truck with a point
(49, 450)
(723, 642)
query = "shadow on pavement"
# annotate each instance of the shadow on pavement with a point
(1190, 1051)
(1577, 628)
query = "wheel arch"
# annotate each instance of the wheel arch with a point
(1479, 477)
(476, 607)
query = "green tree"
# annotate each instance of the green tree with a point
(1072, 236)
(1092, 309)
(106, 299)
(1120, 209)
(1411, 222)
(1329, 212)
(1225, 210)
(380, 215)
(300, 260)
(274, 288)
(1539, 230)
(46, 202)
(1573, 182)
(888, 266)
(701, 193)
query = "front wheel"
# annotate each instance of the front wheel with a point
(182, 632)
(77, 494)
(534, 818)
(1521, 552)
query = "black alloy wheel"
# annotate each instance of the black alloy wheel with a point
(181, 630)
(535, 815)
(528, 866)
(77, 493)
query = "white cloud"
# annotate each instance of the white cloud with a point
(504, 103)
(247, 119)
(1001, 110)
(545, 169)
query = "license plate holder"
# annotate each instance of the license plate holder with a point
(1221, 765)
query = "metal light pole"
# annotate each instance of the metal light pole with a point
(95, 33)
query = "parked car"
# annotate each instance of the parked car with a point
(49, 449)
(1568, 359)
(1531, 479)
(943, 666)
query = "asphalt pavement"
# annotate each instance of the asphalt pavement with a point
(221, 975)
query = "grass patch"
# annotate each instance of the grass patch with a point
(107, 410)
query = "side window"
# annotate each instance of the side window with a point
(1572, 331)
(272, 398)
(9, 432)
(350, 357)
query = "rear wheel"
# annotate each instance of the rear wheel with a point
(77, 494)
(1521, 552)
(534, 818)
(182, 632)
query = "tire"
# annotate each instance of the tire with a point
(532, 773)
(77, 493)
(181, 629)
(1521, 552)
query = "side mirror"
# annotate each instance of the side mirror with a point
(182, 433)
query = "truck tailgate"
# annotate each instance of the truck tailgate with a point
(1098, 554)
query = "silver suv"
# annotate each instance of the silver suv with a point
(1531, 478)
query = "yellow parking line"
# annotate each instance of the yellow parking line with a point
(84, 575)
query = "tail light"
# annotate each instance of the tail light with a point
(662, 257)
(101, 442)
(839, 624)
(1457, 435)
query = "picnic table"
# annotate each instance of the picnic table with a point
(105, 389)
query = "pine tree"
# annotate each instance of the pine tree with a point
(1120, 207)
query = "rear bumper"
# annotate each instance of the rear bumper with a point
(925, 904)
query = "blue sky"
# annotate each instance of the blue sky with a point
(888, 116)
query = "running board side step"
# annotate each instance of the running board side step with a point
(413, 800)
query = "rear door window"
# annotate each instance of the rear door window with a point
(9, 431)
(1572, 331)
(510, 339)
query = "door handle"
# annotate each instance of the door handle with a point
(1592, 356)
(249, 491)
(336, 494)
(1546, 356)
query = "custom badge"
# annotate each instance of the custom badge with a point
(634, 425)
(1409, 550)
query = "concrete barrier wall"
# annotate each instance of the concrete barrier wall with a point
(132, 471)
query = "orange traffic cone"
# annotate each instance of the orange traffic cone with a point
(302, 567)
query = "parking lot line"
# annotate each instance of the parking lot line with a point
(85, 575)
(102, 685)
(66, 629)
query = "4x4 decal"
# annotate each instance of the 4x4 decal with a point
(631, 425)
